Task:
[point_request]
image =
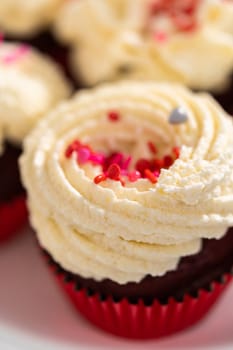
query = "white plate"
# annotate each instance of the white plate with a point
(34, 315)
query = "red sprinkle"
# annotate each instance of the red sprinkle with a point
(156, 6)
(73, 147)
(143, 164)
(150, 176)
(113, 116)
(99, 178)
(114, 172)
(152, 147)
(184, 22)
(116, 165)
(158, 164)
(176, 152)
(168, 161)
(181, 12)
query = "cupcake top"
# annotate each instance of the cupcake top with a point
(30, 85)
(185, 41)
(25, 17)
(125, 180)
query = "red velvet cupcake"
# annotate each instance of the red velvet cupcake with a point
(25, 19)
(30, 85)
(130, 194)
(190, 42)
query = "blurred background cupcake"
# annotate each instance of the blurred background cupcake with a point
(30, 85)
(130, 194)
(186, 41)
(22, 18)
(31, 22)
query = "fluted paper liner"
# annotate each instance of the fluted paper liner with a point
(13, 215)
(140, 321)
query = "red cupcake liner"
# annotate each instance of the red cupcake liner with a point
(13, 215)
(139, 321)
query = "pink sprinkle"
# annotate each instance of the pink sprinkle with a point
(156, 173)
(161, 37)
(117, 158)
(97, 158)
(126, 163)
(83, 155)
(134, 176)
(113, 116)
(124, 172)
(17, 54)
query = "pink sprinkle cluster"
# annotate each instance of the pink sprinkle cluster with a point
(16, 54)
(84, 153)
(181, 12)
(116, 166)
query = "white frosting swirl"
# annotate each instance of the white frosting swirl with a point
(26, 17)
(120, 34)
(124, 233)
(30, 85)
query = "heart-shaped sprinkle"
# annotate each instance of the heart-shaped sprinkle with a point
(178, 116)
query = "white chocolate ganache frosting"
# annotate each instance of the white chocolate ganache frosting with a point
(27, 17)
(30, 85)
(190, 42)
(99, 217)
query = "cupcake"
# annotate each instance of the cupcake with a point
(31, 22)
(47, 44)
(130, 193)
(30, 85)
(23, 18)
(190, 42)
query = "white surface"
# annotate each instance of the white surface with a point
(34, 315)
